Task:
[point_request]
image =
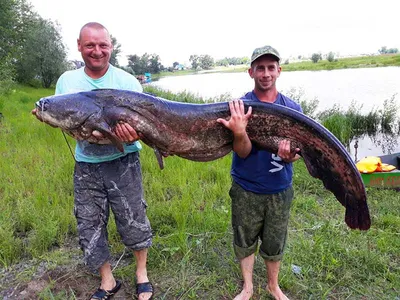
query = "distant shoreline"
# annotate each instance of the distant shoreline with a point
(375, 61)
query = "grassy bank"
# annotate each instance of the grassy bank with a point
(339, 63)
(345, 63)
(189, 209)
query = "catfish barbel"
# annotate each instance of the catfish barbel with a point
(191, 131)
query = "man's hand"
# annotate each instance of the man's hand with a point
(126, 133)
(123, 130)
(285, 153)
(238, 121)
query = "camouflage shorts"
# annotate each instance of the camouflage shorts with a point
(99, 186)
(260, 216)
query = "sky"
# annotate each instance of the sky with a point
(176, 29)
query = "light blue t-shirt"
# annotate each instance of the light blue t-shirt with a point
(77, 81)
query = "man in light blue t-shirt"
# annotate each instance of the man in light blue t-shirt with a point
(104, 177)
(261, 191)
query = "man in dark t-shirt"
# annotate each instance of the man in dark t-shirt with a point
(262, 190)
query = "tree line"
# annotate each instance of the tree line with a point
(315, 57)
(32, 51)
(31, 47)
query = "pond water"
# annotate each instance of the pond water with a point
(365, 89)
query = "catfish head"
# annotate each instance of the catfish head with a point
(78, 115)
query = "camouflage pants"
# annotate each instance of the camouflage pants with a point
(260, 216)
(99, 186)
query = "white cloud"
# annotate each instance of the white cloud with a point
(175, 29)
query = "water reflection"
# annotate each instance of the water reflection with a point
(361, 94)
(380, 127)
(367, 145)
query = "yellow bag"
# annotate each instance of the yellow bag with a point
(370, 164)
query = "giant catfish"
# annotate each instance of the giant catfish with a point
(191, 131)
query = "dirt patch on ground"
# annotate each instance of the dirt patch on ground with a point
(44, 279)
(60, 284)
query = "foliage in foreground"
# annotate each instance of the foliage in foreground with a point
(189, 209)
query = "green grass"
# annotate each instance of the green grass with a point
(345, 63)
(189, 209)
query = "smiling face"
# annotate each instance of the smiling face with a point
(265, 71)
(95, 45)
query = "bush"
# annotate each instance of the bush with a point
(330, 57)
(316, 57)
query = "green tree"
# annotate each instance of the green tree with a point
(330, 57)
(6, 80)
(16, 17)
(316, 57)
(206, 62)
(222, 62)
(7, 22)
(194, 61)
(154, 65)
(245, 61)
(128, 69)
(24, 37)
(7, 74)
(43, 54)
(116, 51)
(385, 50)
(134, 63)
(147, 63)
(234, 61)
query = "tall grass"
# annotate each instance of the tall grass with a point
(380, 125)
(184, 96)
(189, 209)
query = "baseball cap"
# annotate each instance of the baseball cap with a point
(258, 52)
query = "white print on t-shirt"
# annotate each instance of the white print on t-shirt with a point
(278, 166)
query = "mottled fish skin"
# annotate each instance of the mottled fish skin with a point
(191, 131)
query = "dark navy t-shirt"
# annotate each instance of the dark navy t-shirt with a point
(263, 172)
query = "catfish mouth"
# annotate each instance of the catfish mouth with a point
(47, 117)
(41, 106)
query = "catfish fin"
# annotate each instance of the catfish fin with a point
(159, 158)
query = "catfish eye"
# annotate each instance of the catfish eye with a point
(42, 104)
